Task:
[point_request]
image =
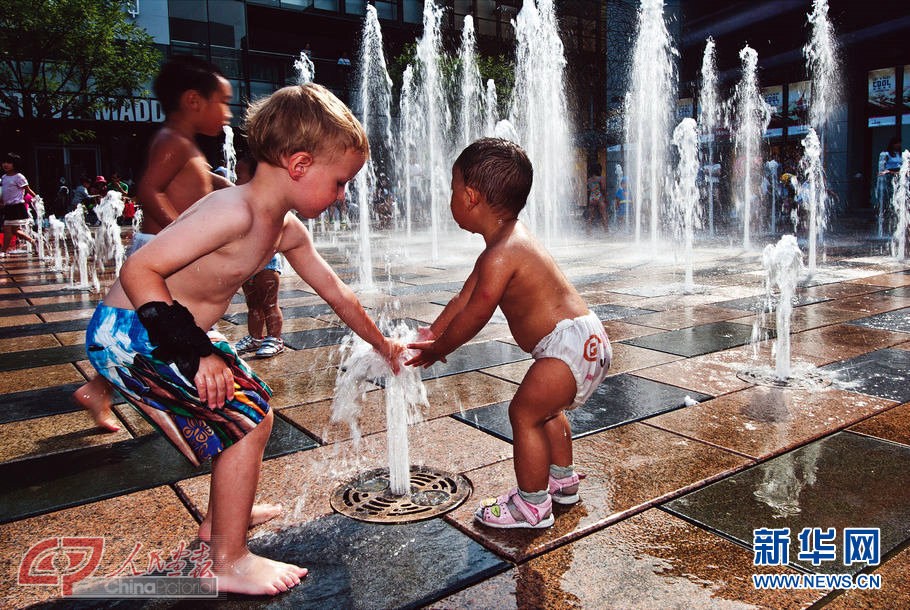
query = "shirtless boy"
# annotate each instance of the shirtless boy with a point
(491, 180)
(194, 96)
(147, 336)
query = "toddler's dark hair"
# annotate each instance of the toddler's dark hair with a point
(184, 73)
(13, 158)
(500, 171)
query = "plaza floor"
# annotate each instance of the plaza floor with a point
(685, 455)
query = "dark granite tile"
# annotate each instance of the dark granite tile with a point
(617, 312)
(881, 373)
(618, 400)
(897, 320)
(404, 289)
(593, 278)
(475, 356)
(40, 485)
(41, 357)
(50, 308)
(297, 311)
(32, 404)
(760, 303)
(698, 340)
(844, 480)
(45, 328)
(902, 291)
(316, 337)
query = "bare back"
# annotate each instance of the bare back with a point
(176, 177)
(536, 295)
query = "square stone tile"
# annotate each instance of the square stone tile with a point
(154, 518)
(618, 330)
(892, 425)
(837, 290)
(697, 340)
(303, 482)
(871, 303)
(615, 312)
(24, 328)
(903, 291)
(628, 469)
(53, 434)
(650, 560)
(762, 421)
(880, 373)
(317, 337)
(302, 388)
(824, 484)
(513, 372)
(618, 400)
(9, 322)
(759, 303)
(685, 317)
(66, 316)
(628, 358)
(41, 357)
(475, 356)
(38, 403)
(884, 279)
(24, 344)
(842, 341)
(23, 380)
(895, 591)
(296, 361)
(897, 320)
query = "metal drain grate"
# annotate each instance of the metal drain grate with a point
(433, 493)
(810, 380)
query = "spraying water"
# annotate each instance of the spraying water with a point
(686, 210)
(491, 109)
(471, 119)
(708, 119)
(749, 117)
(900, 202)
(814, 192)
(822, 60)
(771, 169)
(108, 245)
(404, 395)
(648, 112)
(373, 99)
(230, 155)
(57, 231)
(83, 244)
(540, 115)
(306, 70)
(783, 264)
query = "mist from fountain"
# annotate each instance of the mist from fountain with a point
(230, 155)
(108, 245)
(83, 245)
(471, 103)
(771, 168)
(814, 192)
(306, 70)
(57, 241)
(783, 264)
(708, 119)
(648, 113)
(490, 108)
(372, 100)
(900, 204)
(686, 211)
(748, 117)
(539, 113)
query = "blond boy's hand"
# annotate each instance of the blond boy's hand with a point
(427, 356)
(214, 381)
(393, 352)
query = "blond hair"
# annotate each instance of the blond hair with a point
(301, 118)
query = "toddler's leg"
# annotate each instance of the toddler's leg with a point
(96, 397)
(235, 475)
(255, 319)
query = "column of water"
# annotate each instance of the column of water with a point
(900, 202)
(685, 206)
(708, 118)
(306, 71)
(648, 113)
(408, 129)
(749, 119)
(538, 111)
(470, 91)
(783, 265)
(813, 182)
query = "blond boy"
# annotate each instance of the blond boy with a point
(491, 180)
(147, 338)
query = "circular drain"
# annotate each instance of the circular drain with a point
(806, 380)
(433, 493)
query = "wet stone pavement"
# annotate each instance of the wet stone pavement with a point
(684, 457)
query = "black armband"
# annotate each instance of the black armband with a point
(173, 330)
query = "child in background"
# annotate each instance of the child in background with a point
(261, 294)
(491, 180)
(147, 336)
(14, 215)
(194, 96)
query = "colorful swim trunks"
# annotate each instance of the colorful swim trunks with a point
(581, 343)
(119, 349)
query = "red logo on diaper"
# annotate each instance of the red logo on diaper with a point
(593, 348)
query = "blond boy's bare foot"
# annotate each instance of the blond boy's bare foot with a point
(255, 575)
(95, 398)
(259, 514)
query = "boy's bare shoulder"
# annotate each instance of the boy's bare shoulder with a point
(172, 143)
(224, 209)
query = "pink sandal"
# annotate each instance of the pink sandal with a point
(494, 512)
(565, 490)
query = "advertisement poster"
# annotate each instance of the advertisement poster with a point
(906, 89)
(882, 92)
(798, 107)
(685, 107)
(774, 97)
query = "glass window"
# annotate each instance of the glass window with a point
(355, 7)
(326, 5)
(413, 11)
(386, 10)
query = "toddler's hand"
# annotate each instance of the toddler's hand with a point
(427, 356)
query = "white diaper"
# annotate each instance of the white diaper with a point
(581, 343)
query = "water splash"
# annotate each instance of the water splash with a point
(823, 63)
(306, 70)
(230, 155)
(57, 231)
(471, 115)
(783, 264)
(686, 211)
(491, 109)
(540, 114)
(405, 394)
(708, 120)
(771, 168)
(649, 112)
(748, 117)
(108, 245)
(83, 245)
(900, 202)
(814, 192)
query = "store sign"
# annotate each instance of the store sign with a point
(774, 97)
(133, 111)
(798, 97)
(882, 92)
